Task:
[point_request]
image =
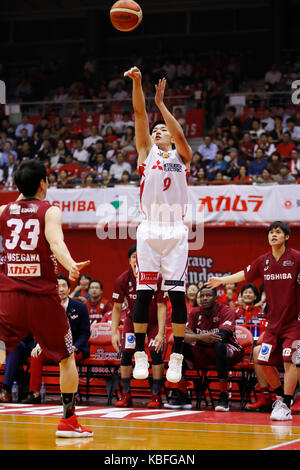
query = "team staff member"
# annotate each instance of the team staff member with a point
(125, 289)
(78, 317)
(96, 304)
(279, 269)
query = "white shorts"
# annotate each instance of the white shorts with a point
(162, 249)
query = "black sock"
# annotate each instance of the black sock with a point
(156, 386)
(279, 391)
(287, 400)
(126, 384)
(140, 341)
(68, 400)
(178, 344)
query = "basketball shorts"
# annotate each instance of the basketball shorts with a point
(200, 357)
(280, 347)
(162, 249)
(22, 313)
(128, 340)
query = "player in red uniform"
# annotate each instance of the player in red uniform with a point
(279, 269)
(125, 288)
(210, 340)
(96, 304)
(32, 242)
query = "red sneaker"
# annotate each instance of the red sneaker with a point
(264, 401)
(295, 408)
(125, 401)
(155, 402)
(69, 427)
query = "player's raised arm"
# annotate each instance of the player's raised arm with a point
(172, 124)
(55, 237)
(142, 134)
(232, 279)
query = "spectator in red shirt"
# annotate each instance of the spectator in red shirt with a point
(96, 304)
(285, 147)
(230, 296)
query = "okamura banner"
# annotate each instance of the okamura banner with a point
(208, 205)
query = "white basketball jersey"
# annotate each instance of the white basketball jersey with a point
(163, 190)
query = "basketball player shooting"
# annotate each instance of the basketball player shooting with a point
(164, 157)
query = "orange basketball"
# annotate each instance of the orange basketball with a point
(126, 15)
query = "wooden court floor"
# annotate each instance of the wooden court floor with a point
(32, 427)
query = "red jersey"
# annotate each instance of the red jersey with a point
(281, 285)
(222, 317)
(29, 263)
(125, 288)
(98, 309)
(249, 312)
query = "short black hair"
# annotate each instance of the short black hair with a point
(250, 286)
(282, 225)
(214, 290)
(97, 281)
(29, 176)
(131, 250)
(64, 278)
(156, 123)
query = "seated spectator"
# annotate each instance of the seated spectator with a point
(96, 304)
(112, 152)
(25, 153)
(45, 151)
(234, 162)
(190, 298)
(116, 170)
(265, 178)
(208, 149)
(293, 130)
(127, 141)
(219, 179)
(272, 78)
(101, 164)
(247, 122)
(60, 153)
(258, 164)
(25, 124)
(243, 177)
(106, 179)
(178, 114)
(52, 179)
(285, 146)
(195, 166)
(201, 180)
(294, 164)
(275, 164)
(267, 122)
(235, 133)
(230, 295)
(70, 166)
(63, 180)
(78, 317)
(7, 150)
(105, 121)
(209, 341)
(230, 119)
(92, 138)
(247, 308)
(266, 144)
(80, 154)
(125, 178)
(24, 137)
(110, 136)
(257, 130)
(122, 124)
(80, 292)
(285, 176)
(276, 134)
(215, 166)
(9, 170)
(88, 181)
(42, 125)
(120, 94)
(58, 129)
(246, 147)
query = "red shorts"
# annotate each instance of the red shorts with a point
(277, 348)
(22, 313)
(205, 356)
(128, 340)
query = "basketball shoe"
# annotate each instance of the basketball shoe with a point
(69, 427)
(125, 401)
(141, 366)
(155, 402)
(296, 405)
(281, 411)
(175, 366)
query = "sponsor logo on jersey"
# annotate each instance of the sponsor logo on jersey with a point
(129, 341)
(29, 210)
(115, 295)
(24, 270)
(227, 322)
(277, 276)
(172, 167)
(288, 262)
(265, 352)
(15, 209)
(147, 277)
(24, 257)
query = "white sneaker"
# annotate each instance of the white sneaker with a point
(175, 366)
(281, 411)
(141, 367)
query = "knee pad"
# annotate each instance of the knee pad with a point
(179, 312)
(126, 359)
(141, 306)
(156, 357)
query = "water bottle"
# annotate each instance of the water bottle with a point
(15, 392)
(43, 393)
